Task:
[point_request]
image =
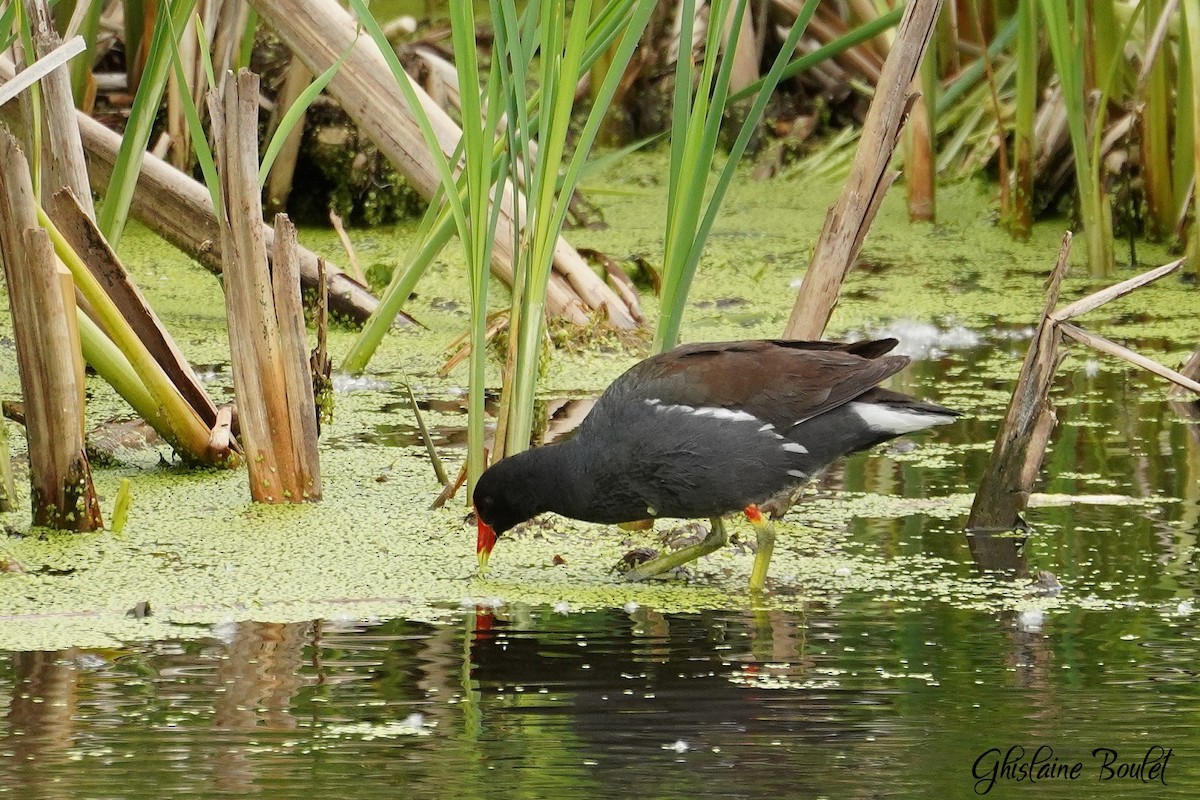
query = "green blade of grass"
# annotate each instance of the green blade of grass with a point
(204, 156)
(691, 215)
(114, 211)
(1066, 47)
(293, 115)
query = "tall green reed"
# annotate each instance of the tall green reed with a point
(474, 217)
(557, 42)
(1020, 221)
(1155, 118)
(114, 210)
(533, 152)
(699, 105)
(1191, 32)
(438, 224)
(1065, 30)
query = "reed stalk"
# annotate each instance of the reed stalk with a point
(1103, 42)
(850, 217)
(1184, 175)
(273, 387)
(1020, 220)
(42, 304)
(1191, 20)
(920, 165)
(1064, 29)
(1155, 119)
(481, 215)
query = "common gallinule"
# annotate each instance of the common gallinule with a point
(706, 430)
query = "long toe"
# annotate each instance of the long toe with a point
(685, 535)
(635, 558)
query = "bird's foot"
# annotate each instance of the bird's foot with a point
(630, 562)
(684, 536)
(670, 562)
(635, 558)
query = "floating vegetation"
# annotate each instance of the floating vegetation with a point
(373, 549)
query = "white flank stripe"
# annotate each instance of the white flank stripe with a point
(727, 413)
(889, 419)
(730, 414)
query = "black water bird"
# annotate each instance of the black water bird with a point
(706, 430)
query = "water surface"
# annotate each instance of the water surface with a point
(860, 689)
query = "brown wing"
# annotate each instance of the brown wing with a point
(779, 381)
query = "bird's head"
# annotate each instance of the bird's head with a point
(505, 496)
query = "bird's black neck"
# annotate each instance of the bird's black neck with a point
(551, 478)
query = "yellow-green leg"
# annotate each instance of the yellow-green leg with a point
(715, 540)
(766, 545)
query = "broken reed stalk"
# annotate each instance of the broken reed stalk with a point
(1008, 478)
(137, 374)
(1108, 294)
(80, 232)
(1120, 351)
(294, 359)
(850, 217)
(920, 166)
(63, 164)
(1021, 443)
(62, 494)
(266, 325)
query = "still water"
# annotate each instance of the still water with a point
(858, 694)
